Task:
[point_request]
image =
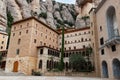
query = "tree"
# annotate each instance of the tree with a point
(61, 63)
(1, 58)
(78, 62)
(9, 25)
(89, 51)
(85, 19)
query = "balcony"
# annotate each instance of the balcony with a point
(113, 40)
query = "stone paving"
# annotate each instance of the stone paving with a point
(47, 78)
(20, 76)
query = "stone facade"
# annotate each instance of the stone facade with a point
(3, 40)
(36, 46)
(108, 22)
(26, 36)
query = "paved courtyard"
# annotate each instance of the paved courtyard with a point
(20, 76)
(47, 78)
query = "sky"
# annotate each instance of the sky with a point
(67, 1)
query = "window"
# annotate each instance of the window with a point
(44, 44)
(81, 39)
(92, 32)
(36, 25)
(13, 34)
(41, 51)
(67, 35)
(65, 42)
(19, 33)
(20, 26)
(14, 28)
(2, 42)
(3, 36)
(89, 39)
(1, 47)
(26, 31)
(83, 46)
(17, 51)
(100, 28)
(113, 48)
(27, 24)
(75, 41)
(65, 49)
(74, 47)
(69, 48)
(36, 32)
(40, 64)
(40, 42)
(60, 43)
(101, 41)
(35, 40)
(102, 52)
(19, 40)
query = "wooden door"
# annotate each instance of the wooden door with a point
(15, 67)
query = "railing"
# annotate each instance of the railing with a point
(113, 40)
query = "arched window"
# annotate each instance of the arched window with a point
(116, 68)
(104, 69)
(40, 64)
(111, 22)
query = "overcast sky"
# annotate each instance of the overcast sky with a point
(67, 1)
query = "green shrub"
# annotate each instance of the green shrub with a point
(34, 73)
(29, 1)
(54, 2)
(57, 9)
(69, 23)
(58, 26)
(60, 22)
(43, 15)
(56, 70)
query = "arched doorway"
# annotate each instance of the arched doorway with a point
(15, 67)
(104, 69)
(116, 68)
(111, 22)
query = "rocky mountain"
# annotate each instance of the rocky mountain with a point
(50, 12)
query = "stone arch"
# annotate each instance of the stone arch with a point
(104, 69)
(116, 68)
(111, 21)
(15, 66)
